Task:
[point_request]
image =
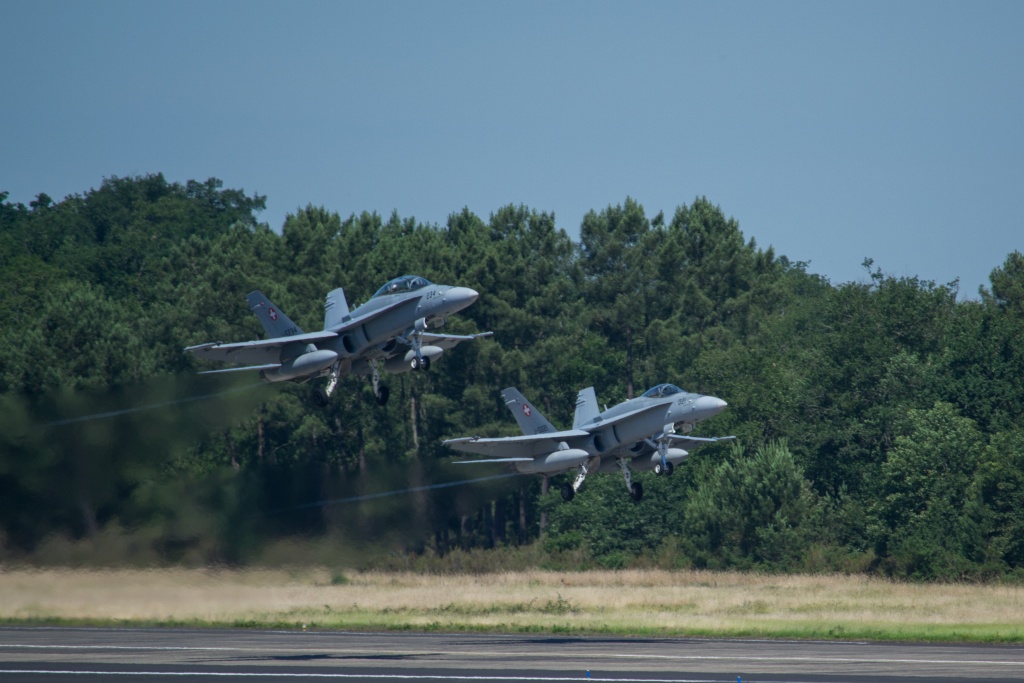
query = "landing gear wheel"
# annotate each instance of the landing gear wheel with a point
(669, 469)
(567, 492)
(658, 469)
(415, 364)
(425, 363)
(320, 397)
(382, 395)
(636, 491)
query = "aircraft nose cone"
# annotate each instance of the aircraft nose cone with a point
(708, 406)
(460, 297)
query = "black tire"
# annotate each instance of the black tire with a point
(567, 492)
(320, 397)
(425, 363)
(636, 491)
(382, 396)
(414, 364)
(658, 469)
(669, 469)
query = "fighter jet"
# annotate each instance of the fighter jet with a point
(638, 433)
(388, 332)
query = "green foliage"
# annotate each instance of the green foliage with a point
(1008, 285)
(747, 512)
(607, 525)
(921, 522)
(999, 488)
(882, 420)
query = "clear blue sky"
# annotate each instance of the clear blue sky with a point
(832, 131)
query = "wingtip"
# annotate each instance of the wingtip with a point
(461, 439)
(205, 345)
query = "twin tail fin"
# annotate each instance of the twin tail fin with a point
(530, 420)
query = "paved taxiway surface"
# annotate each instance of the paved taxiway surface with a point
(155, 655)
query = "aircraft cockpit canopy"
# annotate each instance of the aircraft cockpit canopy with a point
(662, 390)
(401, 285)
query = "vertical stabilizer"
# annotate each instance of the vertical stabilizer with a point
(529, 418)
(335, 309)
(586, 408)
(274, 321)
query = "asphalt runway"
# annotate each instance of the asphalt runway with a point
(155, 655)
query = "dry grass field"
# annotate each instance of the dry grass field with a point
(621, 602)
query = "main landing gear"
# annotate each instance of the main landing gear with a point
(569, 490)
(322, 396)
(635, 488)
(380, 391)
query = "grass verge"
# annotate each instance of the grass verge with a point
(631, 602)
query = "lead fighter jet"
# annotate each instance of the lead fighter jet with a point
(389, 332)
(638, 433)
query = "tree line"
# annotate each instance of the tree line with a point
(880, 423)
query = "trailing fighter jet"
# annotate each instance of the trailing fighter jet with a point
(639, 433)
(388, 332)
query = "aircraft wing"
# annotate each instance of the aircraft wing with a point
(448, 341)
(526, 446)
(259, 352)
(268, 366)
(690, 442)
(490, 461)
